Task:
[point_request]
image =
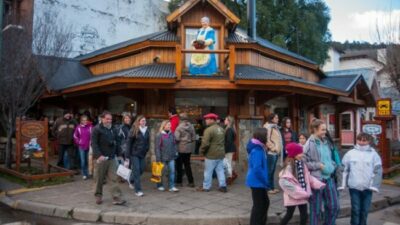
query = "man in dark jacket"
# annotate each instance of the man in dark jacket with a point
(212, 147)
(105, 151)
(63, 130)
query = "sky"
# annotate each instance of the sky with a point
(357, 19)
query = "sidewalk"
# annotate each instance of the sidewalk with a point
(75, 200)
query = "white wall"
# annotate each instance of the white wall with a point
(360, 63)
(100, 23)
(333, 62)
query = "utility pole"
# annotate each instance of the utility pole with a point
(1, 26)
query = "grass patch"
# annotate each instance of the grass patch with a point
(35, 183)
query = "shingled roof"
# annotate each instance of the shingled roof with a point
(166, 36)
(163, 71)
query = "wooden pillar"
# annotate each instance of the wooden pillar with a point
(232, 59)
(338, 129)
(18, 144)
(178, 63)
(294, 110)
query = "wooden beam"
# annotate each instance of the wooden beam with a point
(178, 64)
(205, 51)
(350, 100)
(232, 60)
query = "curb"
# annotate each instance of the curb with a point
(96, 215)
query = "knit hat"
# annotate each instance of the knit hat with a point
(211, 116)
(293, 149)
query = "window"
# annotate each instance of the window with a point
(346, 121)
(191, 34)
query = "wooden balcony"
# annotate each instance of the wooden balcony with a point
(228, 60)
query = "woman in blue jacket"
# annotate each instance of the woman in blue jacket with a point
(257, 176)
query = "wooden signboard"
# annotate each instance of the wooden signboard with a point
(32, 141)
(378, 130)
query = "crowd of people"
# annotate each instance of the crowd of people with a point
(312, 173)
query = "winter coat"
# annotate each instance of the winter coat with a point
(104, 141)
(293, 193)
(362, 169)
(230, 137)
(123, 135)
(274, 139)
(165, 147)
(312, 159)
(138, 145)
(174, 120)
(212, 144)
(63, 130)
(257, 173)
(82, 136)
(185, 136)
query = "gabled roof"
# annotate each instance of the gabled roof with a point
(70, 71)
(191, 3)
(163, 71)
(165, 36)
(240, 36)
(368, 74)
(343, 83)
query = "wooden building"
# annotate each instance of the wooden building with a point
(146, 75)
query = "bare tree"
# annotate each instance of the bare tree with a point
(28, 62)
(388, 32)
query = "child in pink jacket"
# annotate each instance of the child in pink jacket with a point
(296, 183)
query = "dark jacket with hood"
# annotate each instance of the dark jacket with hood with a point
(138, 145)
(63, 130)
(230, 136)
(104, 141)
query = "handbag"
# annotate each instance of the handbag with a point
(124, 172)
(156, 169)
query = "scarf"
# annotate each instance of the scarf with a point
(300, 174)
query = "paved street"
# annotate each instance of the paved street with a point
(76, 200)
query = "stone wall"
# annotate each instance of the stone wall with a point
(246, 128)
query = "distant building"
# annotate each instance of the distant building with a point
(370, 64)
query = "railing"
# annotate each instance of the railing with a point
(231, 57)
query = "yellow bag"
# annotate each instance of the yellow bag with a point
(156, 169)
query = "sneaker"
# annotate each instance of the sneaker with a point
(271, 192)
(191, 185)
(201, 189)
(131, 186)
(139, 194)
(84, 177)
(118, 201)
(223, 189)
(174, 189)
(161, 188)
(99, 200)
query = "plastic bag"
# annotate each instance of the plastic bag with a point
(123, 172)
(156, 170)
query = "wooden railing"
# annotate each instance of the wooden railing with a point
(231, 57)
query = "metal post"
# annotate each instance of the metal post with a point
(251, 18)
(1, 26)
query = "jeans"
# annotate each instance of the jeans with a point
(184, 160)
(229, 165)
(259, 211)
(272, 160)
(170, 166)
(210, 166)
(329, 197)
(83, 153)
(64, 155)
(360, 203)
(289, 214)
(137, 166)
